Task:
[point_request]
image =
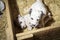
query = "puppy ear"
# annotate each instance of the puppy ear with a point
(41, 14)
(30, 11)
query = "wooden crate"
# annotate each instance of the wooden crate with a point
(12, 10)
(28, 34)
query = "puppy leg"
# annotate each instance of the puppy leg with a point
(29, 27)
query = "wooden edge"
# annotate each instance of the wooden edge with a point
(18, 7)
(25, 36)
(36, 31)
(9, 32)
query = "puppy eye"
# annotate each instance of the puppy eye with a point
(37, 19)
(33, 25)
(20, 22)
(32, 18)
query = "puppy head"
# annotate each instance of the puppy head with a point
(21, 21)
(35, 17)
(34, 22)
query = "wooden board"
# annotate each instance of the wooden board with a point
(27, 34)
(9, 32)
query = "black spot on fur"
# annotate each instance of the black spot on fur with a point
(33, 25)
(32, 18)
(30, 11)
(20, 22)
(37, 19)
(29, 23)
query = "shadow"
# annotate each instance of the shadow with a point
(14, 12)
(17, 27)
(49, 22)
(47, 8)
(1, 13)
(29, 38)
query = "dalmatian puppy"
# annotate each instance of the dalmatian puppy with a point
(21, 21)
(37, 10)
(35, 13)
(35, 18)
(24, 21)
(27, 21)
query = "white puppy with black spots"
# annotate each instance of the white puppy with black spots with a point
(24, 21)
(38, 8)
(21, 21)
(32, 18)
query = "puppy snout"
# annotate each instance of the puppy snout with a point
(33, 25)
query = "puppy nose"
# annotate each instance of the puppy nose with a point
(33, 25)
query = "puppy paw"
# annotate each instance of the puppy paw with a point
(29, 28)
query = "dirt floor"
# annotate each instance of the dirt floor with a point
(54, 6)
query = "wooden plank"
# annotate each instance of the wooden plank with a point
(25, 37)
(36, 31)
(9, 32)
